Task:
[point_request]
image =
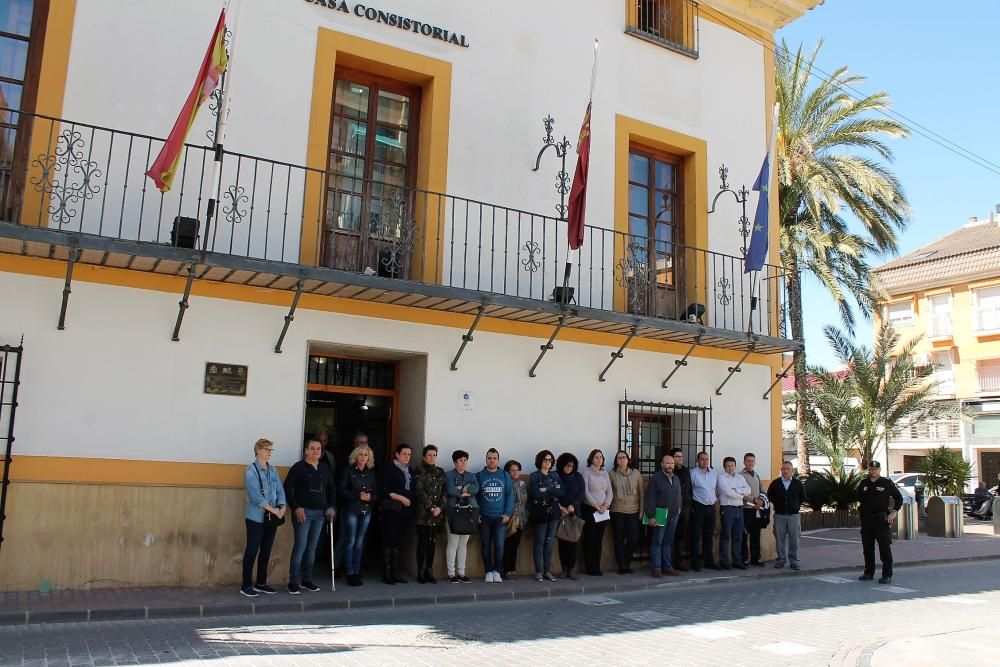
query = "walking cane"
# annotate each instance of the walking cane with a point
(333, 559)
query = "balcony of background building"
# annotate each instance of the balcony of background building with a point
(82, 186)
(939, 325)
(988, 377)
(986, 319)
(928, 433)
(672, 24)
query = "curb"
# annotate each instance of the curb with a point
(29, 617)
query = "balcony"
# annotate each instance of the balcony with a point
(672, 24)
(939, 326)
(986, 319)
(928, 433)
(988, 379)
(82, 196)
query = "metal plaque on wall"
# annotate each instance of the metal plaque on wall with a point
(225, 379)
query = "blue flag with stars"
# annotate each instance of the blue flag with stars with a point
(757, 253)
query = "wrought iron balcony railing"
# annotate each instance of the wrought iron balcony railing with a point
(90, 180)
(672, 24)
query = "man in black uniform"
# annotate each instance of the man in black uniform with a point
(879, 501)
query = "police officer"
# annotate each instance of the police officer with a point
(879, 501)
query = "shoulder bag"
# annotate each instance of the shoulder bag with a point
(570, 528)
(269, 518)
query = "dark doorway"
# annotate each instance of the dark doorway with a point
(343, 415)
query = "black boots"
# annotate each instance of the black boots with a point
(395, 567)
(387, 577)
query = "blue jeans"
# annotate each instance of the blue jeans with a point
(304, 548)
(544, 534)
(492, 533)
(353, 529)
(661, 545)
(730, 539)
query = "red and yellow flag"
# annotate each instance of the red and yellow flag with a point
(578, 194)
(215, 63)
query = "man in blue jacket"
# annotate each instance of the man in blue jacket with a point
(496, 504)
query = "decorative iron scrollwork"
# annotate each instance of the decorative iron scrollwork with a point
(69, 162)
(633, 273)
(237, 197)
(724, 296)
(530, 263)
(393, 230)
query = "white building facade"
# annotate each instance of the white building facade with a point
(384, 256)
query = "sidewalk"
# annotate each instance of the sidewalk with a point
(821, 552)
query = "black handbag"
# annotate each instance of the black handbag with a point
(540, 508)
(463, 519)
(269, 518)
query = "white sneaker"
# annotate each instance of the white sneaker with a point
(489, 577)
(496, 578)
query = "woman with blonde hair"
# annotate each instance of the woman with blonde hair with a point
(265, 512)
(359, 492)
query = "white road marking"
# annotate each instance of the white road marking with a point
(594, 600)
(893, 589)
(786, 648)
(710, 632)
(833, 580)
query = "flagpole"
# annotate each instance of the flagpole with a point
(569, 249)
(225, 84)
(754, 277)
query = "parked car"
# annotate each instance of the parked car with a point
(906, 482)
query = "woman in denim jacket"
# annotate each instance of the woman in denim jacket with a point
(544, 490)
(264, 495)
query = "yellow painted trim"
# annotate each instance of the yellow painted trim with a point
(175, 285)
(132, 472)
(694, 153)
(434, 78)
(987, 282)
(51, 92)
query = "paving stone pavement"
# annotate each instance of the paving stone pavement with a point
(827, 551)
(938, 615)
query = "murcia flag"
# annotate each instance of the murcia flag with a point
(214, 64)
(578, 194)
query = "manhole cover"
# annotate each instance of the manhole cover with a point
(447, 639)
(594, 600)
(646, 616)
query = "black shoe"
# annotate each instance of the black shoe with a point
(353, 580)
(724, 566)
(756, 563)
(740, 566)
(464, 579)
(696, 568)
(310, 586)
(681, 568)
(248, 591)
(293, 589)
(795, 566)
(420, 577)
(264, 588)
(713, 566)
(621, 570)
(866, 577)
(885, 580)
(429, 577)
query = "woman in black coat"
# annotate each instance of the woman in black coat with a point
(569, 506)
(399, 490)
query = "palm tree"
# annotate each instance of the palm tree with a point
(831, 160)
(889, 389)
(833, 422)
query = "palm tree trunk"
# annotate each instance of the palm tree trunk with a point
(801, 381)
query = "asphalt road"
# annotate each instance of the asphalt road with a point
(941, 615)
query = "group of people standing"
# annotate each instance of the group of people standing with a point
(559, 503)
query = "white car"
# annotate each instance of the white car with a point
(906, 482)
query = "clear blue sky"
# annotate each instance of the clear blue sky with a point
(940, 63)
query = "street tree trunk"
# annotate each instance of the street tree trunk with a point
(799, 368)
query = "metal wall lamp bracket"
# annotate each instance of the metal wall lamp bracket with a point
(467, 338)
(290, 316)
(183, 305)
(782, 375)
(615, 356)
(738, 368)
(548, 346)
(74, 255)
(683, 361)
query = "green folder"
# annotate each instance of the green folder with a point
(661, 517)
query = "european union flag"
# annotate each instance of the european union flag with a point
(757, 253)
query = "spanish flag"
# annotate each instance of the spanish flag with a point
(215, 63)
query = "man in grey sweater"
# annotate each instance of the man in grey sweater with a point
(663, 492)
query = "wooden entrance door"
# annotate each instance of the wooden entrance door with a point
(370, 221)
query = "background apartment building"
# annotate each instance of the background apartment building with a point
(949, 292)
